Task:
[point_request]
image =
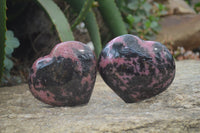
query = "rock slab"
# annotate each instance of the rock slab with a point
(180, 30)
(175, 110)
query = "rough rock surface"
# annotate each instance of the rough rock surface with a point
(180, 31)
(175, 110)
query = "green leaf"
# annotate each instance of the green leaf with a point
(93, 29)
(8, 64)
(141, 13)
(145, 16)
(147, 7)
(161, 7)
(8, 50)
(153, 18)
(154, 24)
(133, 5)
(137, 19)
(112, 17)
(58, 19)
(130, 19)
(147, 24)
(9, 34)
(11, 41)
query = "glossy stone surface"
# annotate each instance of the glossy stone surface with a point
(136, 69)
(66, 76)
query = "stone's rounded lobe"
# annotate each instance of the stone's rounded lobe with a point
(66, 76)
(136, 69)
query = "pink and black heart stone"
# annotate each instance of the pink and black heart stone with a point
(66, 76)
(136, 69)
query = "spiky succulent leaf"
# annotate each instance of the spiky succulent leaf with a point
(3, 35)
(58, 19)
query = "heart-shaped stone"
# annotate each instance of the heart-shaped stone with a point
(66, 76)
(136, 69)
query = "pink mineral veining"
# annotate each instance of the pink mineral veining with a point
(136, 69)
(66, 76)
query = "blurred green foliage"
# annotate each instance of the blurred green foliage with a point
(141, 17)
(196, 6)
(188, 1)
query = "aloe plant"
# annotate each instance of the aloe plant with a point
(93, 29)
(83, 12)
(58, 19)
(3, 35)
(112, 17)
(90, 22)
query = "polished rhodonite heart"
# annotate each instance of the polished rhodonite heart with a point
(66, 76)
(136, 69)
